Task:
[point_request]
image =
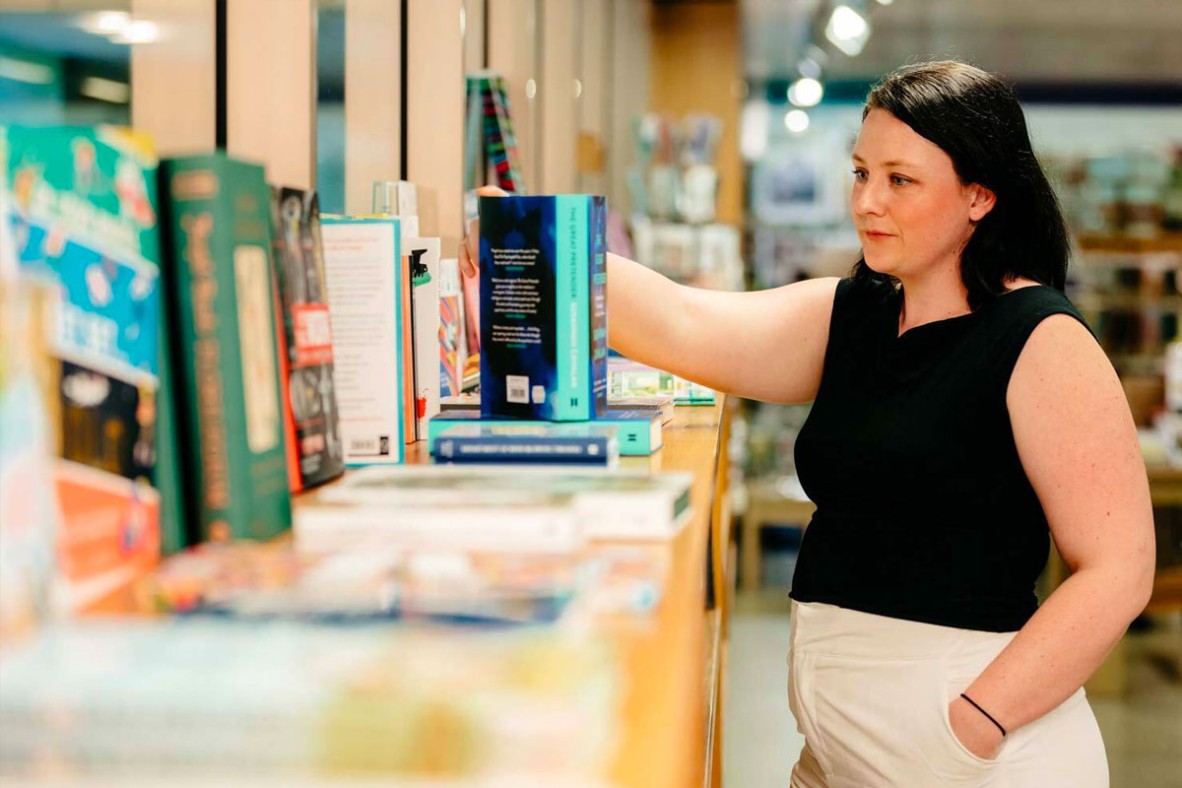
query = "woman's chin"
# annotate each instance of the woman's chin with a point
(878, 264)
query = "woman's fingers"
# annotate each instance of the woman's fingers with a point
(470, 249)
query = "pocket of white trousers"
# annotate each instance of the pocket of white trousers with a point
(953, 686)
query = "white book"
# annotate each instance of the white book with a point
(607, 504)
(541, 523)
(362, 267)
(424, 261)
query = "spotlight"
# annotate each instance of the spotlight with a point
(796, 121)
(806, 92)
(847, 30)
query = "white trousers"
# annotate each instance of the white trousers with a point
(871, 694)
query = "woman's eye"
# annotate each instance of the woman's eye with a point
(899, 180)
(859, 174)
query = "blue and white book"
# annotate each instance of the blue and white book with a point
(638, 432)
(530, 444)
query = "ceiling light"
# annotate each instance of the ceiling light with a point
(106, 23)
(796, 121)
(139, 31)
(806, 92)
(24, 71)
(106, 90)
(847, 30)
(885, 2)
(531, 89)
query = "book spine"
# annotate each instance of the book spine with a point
(424, 258)
(410, 417)
(572, 299)
(597, 228)
(295, 478)
(309, 393)
(450, 328)
(589, 451)
(227, 326)
(192, 208)
(492, 529)
(635, 436)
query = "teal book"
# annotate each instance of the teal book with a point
(543, 311)
(638, 432)
(219, 279)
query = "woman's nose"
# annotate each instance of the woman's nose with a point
(867, 199)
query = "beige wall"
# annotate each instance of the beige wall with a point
(696, 67)
(373, 99)
(557, 85)
(435, 122)
(514, 53)
(270, 87)
(630, 52)
(181, 122)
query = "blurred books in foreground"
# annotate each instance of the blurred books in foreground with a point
(158, 700)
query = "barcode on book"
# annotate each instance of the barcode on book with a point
(517, 388)
(379, 445)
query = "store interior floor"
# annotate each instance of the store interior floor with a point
(1142, 729)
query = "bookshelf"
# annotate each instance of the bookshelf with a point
(672, 663)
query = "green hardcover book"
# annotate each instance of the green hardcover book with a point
(220, 281)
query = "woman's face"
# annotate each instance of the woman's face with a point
(912, 213)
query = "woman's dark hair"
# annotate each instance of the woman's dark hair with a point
(974, 117)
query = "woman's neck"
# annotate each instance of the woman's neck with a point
(937, 296)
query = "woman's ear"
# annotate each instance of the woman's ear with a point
(982, 202)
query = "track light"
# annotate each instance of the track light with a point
(847, 30)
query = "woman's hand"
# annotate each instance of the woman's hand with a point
(470, 248)
(976, 733)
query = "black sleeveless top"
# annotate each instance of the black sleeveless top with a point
(924, 511)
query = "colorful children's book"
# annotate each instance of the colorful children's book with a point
(362, 260)
(78, 214)
(309, 391)
(219, 274)
(543, 316)
(452, 343)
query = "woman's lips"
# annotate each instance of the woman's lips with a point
(877, 236)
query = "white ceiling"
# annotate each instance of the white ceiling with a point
(1026, 40)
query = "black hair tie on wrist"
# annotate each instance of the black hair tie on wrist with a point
(988, 716)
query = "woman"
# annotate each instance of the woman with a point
(961, 410)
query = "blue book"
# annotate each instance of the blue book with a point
(638, 432)
(543, 311)
(516, 443)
